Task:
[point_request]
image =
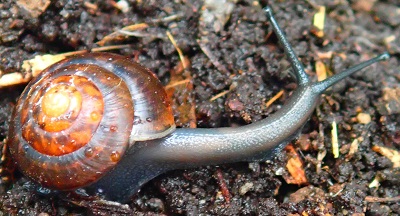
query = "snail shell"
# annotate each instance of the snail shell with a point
(79, 116)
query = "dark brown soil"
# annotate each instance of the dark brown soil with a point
(253, 66)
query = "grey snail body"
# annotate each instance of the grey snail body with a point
(145, 158)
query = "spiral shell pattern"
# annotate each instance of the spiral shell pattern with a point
(75, 121)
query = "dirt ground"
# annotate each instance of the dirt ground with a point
(236, 67)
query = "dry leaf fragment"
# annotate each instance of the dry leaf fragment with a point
(295, 168)
(13, 79)
(216, 13)
(389, 103)
(321, 71)
(319, 22)
(392, 154)
(33, 8)
(40, 62)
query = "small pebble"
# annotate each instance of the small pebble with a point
(246, 188)
(363, 118)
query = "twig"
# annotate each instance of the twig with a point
(177, 83)
(219, 95)
(125, 30)
(212, 58)
(224, 188)
(180, 53)
(274, 98)
(107, 48)
(335, 142)
(380, 199)
(168, 18)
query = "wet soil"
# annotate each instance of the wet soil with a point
(245, 60)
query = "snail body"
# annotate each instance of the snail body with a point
(130, 110)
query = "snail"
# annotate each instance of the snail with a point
(102, 123)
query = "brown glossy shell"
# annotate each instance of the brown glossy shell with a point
(75, 121)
